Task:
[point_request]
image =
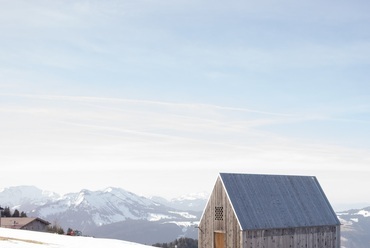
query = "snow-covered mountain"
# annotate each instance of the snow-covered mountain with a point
(355, 228)
(112, 213)
(195, 201)
(103, 207)
(25, 198)
(97, 208)
(119, 214)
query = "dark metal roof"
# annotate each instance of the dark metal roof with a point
(20, 222)
(278, 201)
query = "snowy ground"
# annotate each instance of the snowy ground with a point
(10, 238)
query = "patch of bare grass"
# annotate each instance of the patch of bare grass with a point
(22, 240)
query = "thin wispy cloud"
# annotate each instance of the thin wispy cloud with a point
(181, 90)
(148, 121)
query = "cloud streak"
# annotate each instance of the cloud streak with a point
(109, 136)
(195, 87)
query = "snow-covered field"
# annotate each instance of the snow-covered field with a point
(11, 238)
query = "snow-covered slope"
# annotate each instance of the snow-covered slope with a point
(11, 238)
(355, 228)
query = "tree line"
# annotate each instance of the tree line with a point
(7, 213)
(179, 243)
(54, 228)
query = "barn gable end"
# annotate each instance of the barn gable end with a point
(25, 223)
(219, 220)
(269, 211)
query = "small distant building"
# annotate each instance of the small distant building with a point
(25, 223)
(268, 211)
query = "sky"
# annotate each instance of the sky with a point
(159, 96)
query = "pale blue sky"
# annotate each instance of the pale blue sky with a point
(114, 93)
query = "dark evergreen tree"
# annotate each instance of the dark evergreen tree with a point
(179, 243)
(23, 214)
(16, 213)
(6, 212)
(55, 228)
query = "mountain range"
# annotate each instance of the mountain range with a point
(355, 228)
(111, 213)
(120, 214)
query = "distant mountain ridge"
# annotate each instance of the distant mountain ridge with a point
(195, 202)
(120, 214)
(26, 198)
(355, 228)
(110, 213)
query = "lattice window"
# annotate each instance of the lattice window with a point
(219, 213)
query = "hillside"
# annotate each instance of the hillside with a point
(119, 214)
(11, 238)
(110, 213)
(355, 228)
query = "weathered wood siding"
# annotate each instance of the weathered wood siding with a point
(35, 226)
(214, 221)
(306, 237)
(219, 217)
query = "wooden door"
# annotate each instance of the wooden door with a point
(219, 240)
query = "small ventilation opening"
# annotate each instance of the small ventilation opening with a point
(219, 213)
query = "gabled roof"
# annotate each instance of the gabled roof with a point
(19, 222)
(278, 201)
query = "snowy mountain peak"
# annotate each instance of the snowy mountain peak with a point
(109, 190)
(102, 211)
(81, 197)
(116, 190)
(355, 226)
(103, 206)
(119, 192)
(26, 191)
(27, 196)
(194, 202)
(192, 196)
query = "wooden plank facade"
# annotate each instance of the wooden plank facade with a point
(219, 217)
(219, 227)
(25, 223)
(319, 237)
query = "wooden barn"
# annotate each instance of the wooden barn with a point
(25, 223)
(268, 211)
